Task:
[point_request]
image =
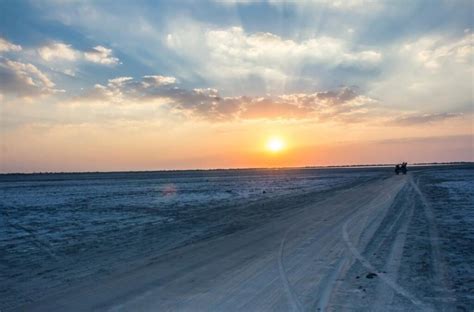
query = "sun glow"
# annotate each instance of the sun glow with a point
(275, 145)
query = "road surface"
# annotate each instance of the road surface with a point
(347, 251)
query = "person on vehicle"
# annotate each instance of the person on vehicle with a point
(397, 169)
(404, 168)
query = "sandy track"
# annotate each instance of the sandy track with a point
(315, 259)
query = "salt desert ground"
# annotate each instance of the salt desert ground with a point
(342, 239)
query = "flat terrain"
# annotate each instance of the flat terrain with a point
(379, 243)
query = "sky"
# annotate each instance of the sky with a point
(149, 85)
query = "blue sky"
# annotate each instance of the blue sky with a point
(405, 63)
(137, 31)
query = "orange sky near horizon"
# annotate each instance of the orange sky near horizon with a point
(200, 145)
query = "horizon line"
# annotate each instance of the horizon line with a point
(240, 168)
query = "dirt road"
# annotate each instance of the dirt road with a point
(357, 249)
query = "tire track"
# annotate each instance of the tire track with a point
(384, 295)
(383, 276)
(292, 298)
(334, 273)
(386, 232)
(332, 281)
(397, 288)
(325, 296)
(434, 238)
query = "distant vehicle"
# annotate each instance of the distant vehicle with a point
(401, 168)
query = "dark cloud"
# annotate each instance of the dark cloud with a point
(417, 119)
(209, 104)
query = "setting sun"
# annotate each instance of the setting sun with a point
(275, 145)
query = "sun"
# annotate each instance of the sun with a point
(275, 145)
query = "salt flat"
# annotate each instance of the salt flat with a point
(364, 239)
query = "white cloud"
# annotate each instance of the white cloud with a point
(157, 80)
(434, 52)
(349, 4)
(119, 81)
(101, 55)
(58, 51)
(234, 55)
(69, 72)
(429, 74)
(335, 4)
(24, 79)
(6, 46)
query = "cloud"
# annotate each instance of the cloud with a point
(434, 52)
(57, 56)
(210, 105)
(232, 55)
(267, 48)
(58, 51)
(23, 79)
(61, 52)
(416, 119)
(335, 4)
(122, 89)
(158, 80)
(101, 55)
(6, 46)
(268, 108)
(344, 5)
(432, 71)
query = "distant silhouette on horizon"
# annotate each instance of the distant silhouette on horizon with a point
(401, 168)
